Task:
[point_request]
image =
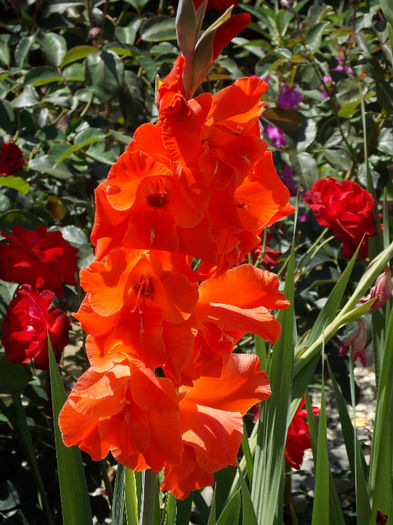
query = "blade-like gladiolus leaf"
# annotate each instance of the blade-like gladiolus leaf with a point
(73, 488)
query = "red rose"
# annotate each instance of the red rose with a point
(347, 209)
(27, 323)
(219, 5)
(39, 258)
(298, 437)
(11, 158)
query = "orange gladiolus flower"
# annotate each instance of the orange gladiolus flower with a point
(218, 135)
(230, 306)
(112, 412)
(211, 417)
(134, 301)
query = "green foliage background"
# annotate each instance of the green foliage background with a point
(77, 78)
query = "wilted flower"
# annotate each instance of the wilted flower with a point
(26, 326)
(276, 136)
(11, 158)
(357, 341)
(289, 98)
(382, 290)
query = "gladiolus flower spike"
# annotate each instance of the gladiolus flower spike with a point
(197, 184)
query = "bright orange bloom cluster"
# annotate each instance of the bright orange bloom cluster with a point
(163, 310)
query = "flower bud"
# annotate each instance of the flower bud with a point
(357, 341)
(382, 290)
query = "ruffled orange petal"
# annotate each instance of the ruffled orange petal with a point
(241, 385)
(126, 175)
(240, 102)
(106, 282)
(100, 395)
(214, 434)
(245, 287)
(256, 321)
(181, 479)
(81, 430)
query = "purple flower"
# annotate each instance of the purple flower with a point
(357, 341)
(329, 82)
(289, 98)
(288, 179)
(276, 136)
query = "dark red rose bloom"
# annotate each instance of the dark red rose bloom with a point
(270, 258)
(11, 158)
(298, 437)
(345, 208)
(219, 5)
(39, 258)
(27, 323)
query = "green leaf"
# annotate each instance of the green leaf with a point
(169, 511)
(335, 512)
(42, 75)
(339, 158)
(390, 33)
(320, 513)
(350, 90)
(53, 46)
(17, 183)
(7, 117)
(273, 423)
(247, 453)
(104, 74)
(325, 318)
(305, 167)
(118, 503)
(355, 456)
(127, 35)
(59, 6)
(73, 488)
(13, 377)
(12, 218)
(231, 513)
(82, 139)
(77, 53)
(44, 165)
(289, 120)
(22, 49)
(158, 28)
(348, 110)
(362, 496)
(385, 141)
(212, 515)
(387, 9)
(26, 99)
(381, 459)
(4, 53)
(248, 512)
(74, 73)
(102, 152)
(184, 511)
(314, 36)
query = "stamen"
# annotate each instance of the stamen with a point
(158, 193)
